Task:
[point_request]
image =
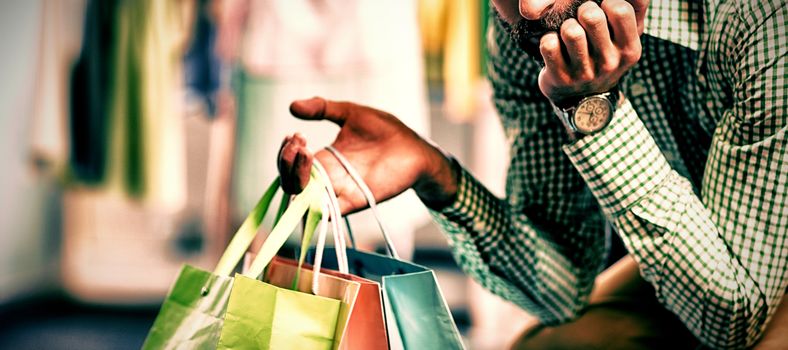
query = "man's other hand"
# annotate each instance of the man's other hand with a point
(590, 54)
(389, 156)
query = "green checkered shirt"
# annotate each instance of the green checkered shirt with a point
(692, 172)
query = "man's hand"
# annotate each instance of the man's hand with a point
(601, 45)
(389, 155)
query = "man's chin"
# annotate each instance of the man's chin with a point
(527, 35)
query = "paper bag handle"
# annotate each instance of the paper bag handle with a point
(359, 180)
(312, 218)
(246, 233)
(340, 245)
(330, 210)
(284, 228)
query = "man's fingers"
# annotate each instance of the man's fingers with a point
(574, 38)
(284, 142)
(289, 149)
(550, 47)
(640, 7)
(303, 167)
(294, 164)
(317, 108)
(621, 17)
(312, 108)
(285, 163)
(594, 21)
(344, 186)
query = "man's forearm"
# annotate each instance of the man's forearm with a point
(437, 187)
(694, 264)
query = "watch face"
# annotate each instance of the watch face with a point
(592, 115)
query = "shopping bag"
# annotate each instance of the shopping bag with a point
(417, 315)
(281, 273)
(366, 327)
(270, 314)
(415, 303)
(191, 315)
(288, 273)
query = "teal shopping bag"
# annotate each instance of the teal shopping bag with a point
(416, 312)
(192, 314)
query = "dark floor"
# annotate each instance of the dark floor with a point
(55, 322)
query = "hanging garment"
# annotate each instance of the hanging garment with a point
(126, 120)
(59, 42)
(453, 39)
(201, 64)
(147, 142)
(91, 93)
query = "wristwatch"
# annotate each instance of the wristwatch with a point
(590, 115)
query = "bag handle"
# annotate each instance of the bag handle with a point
(329, 210)
(242, 238)
(312, 218)
(359, 180)
(285, 227)
(321, 244)
(340, 245)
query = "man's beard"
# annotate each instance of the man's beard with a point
(527, 33)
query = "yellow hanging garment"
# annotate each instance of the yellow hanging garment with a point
(147, 155)
(452, 41)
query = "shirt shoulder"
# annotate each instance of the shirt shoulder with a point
(677, 21)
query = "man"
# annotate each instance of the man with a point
(676, 137)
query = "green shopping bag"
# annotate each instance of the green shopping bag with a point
(192, 314)
(272, 314)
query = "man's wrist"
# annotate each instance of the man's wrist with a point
(565, 101)
(588, 114)
(438, 184)
(558, 110)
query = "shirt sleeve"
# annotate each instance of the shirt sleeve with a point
(542, 246)
(518, 260)
(717, 260)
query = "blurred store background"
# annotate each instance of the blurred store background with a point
(136, 134)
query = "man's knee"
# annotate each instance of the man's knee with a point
(563, 337)
(612, 326)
